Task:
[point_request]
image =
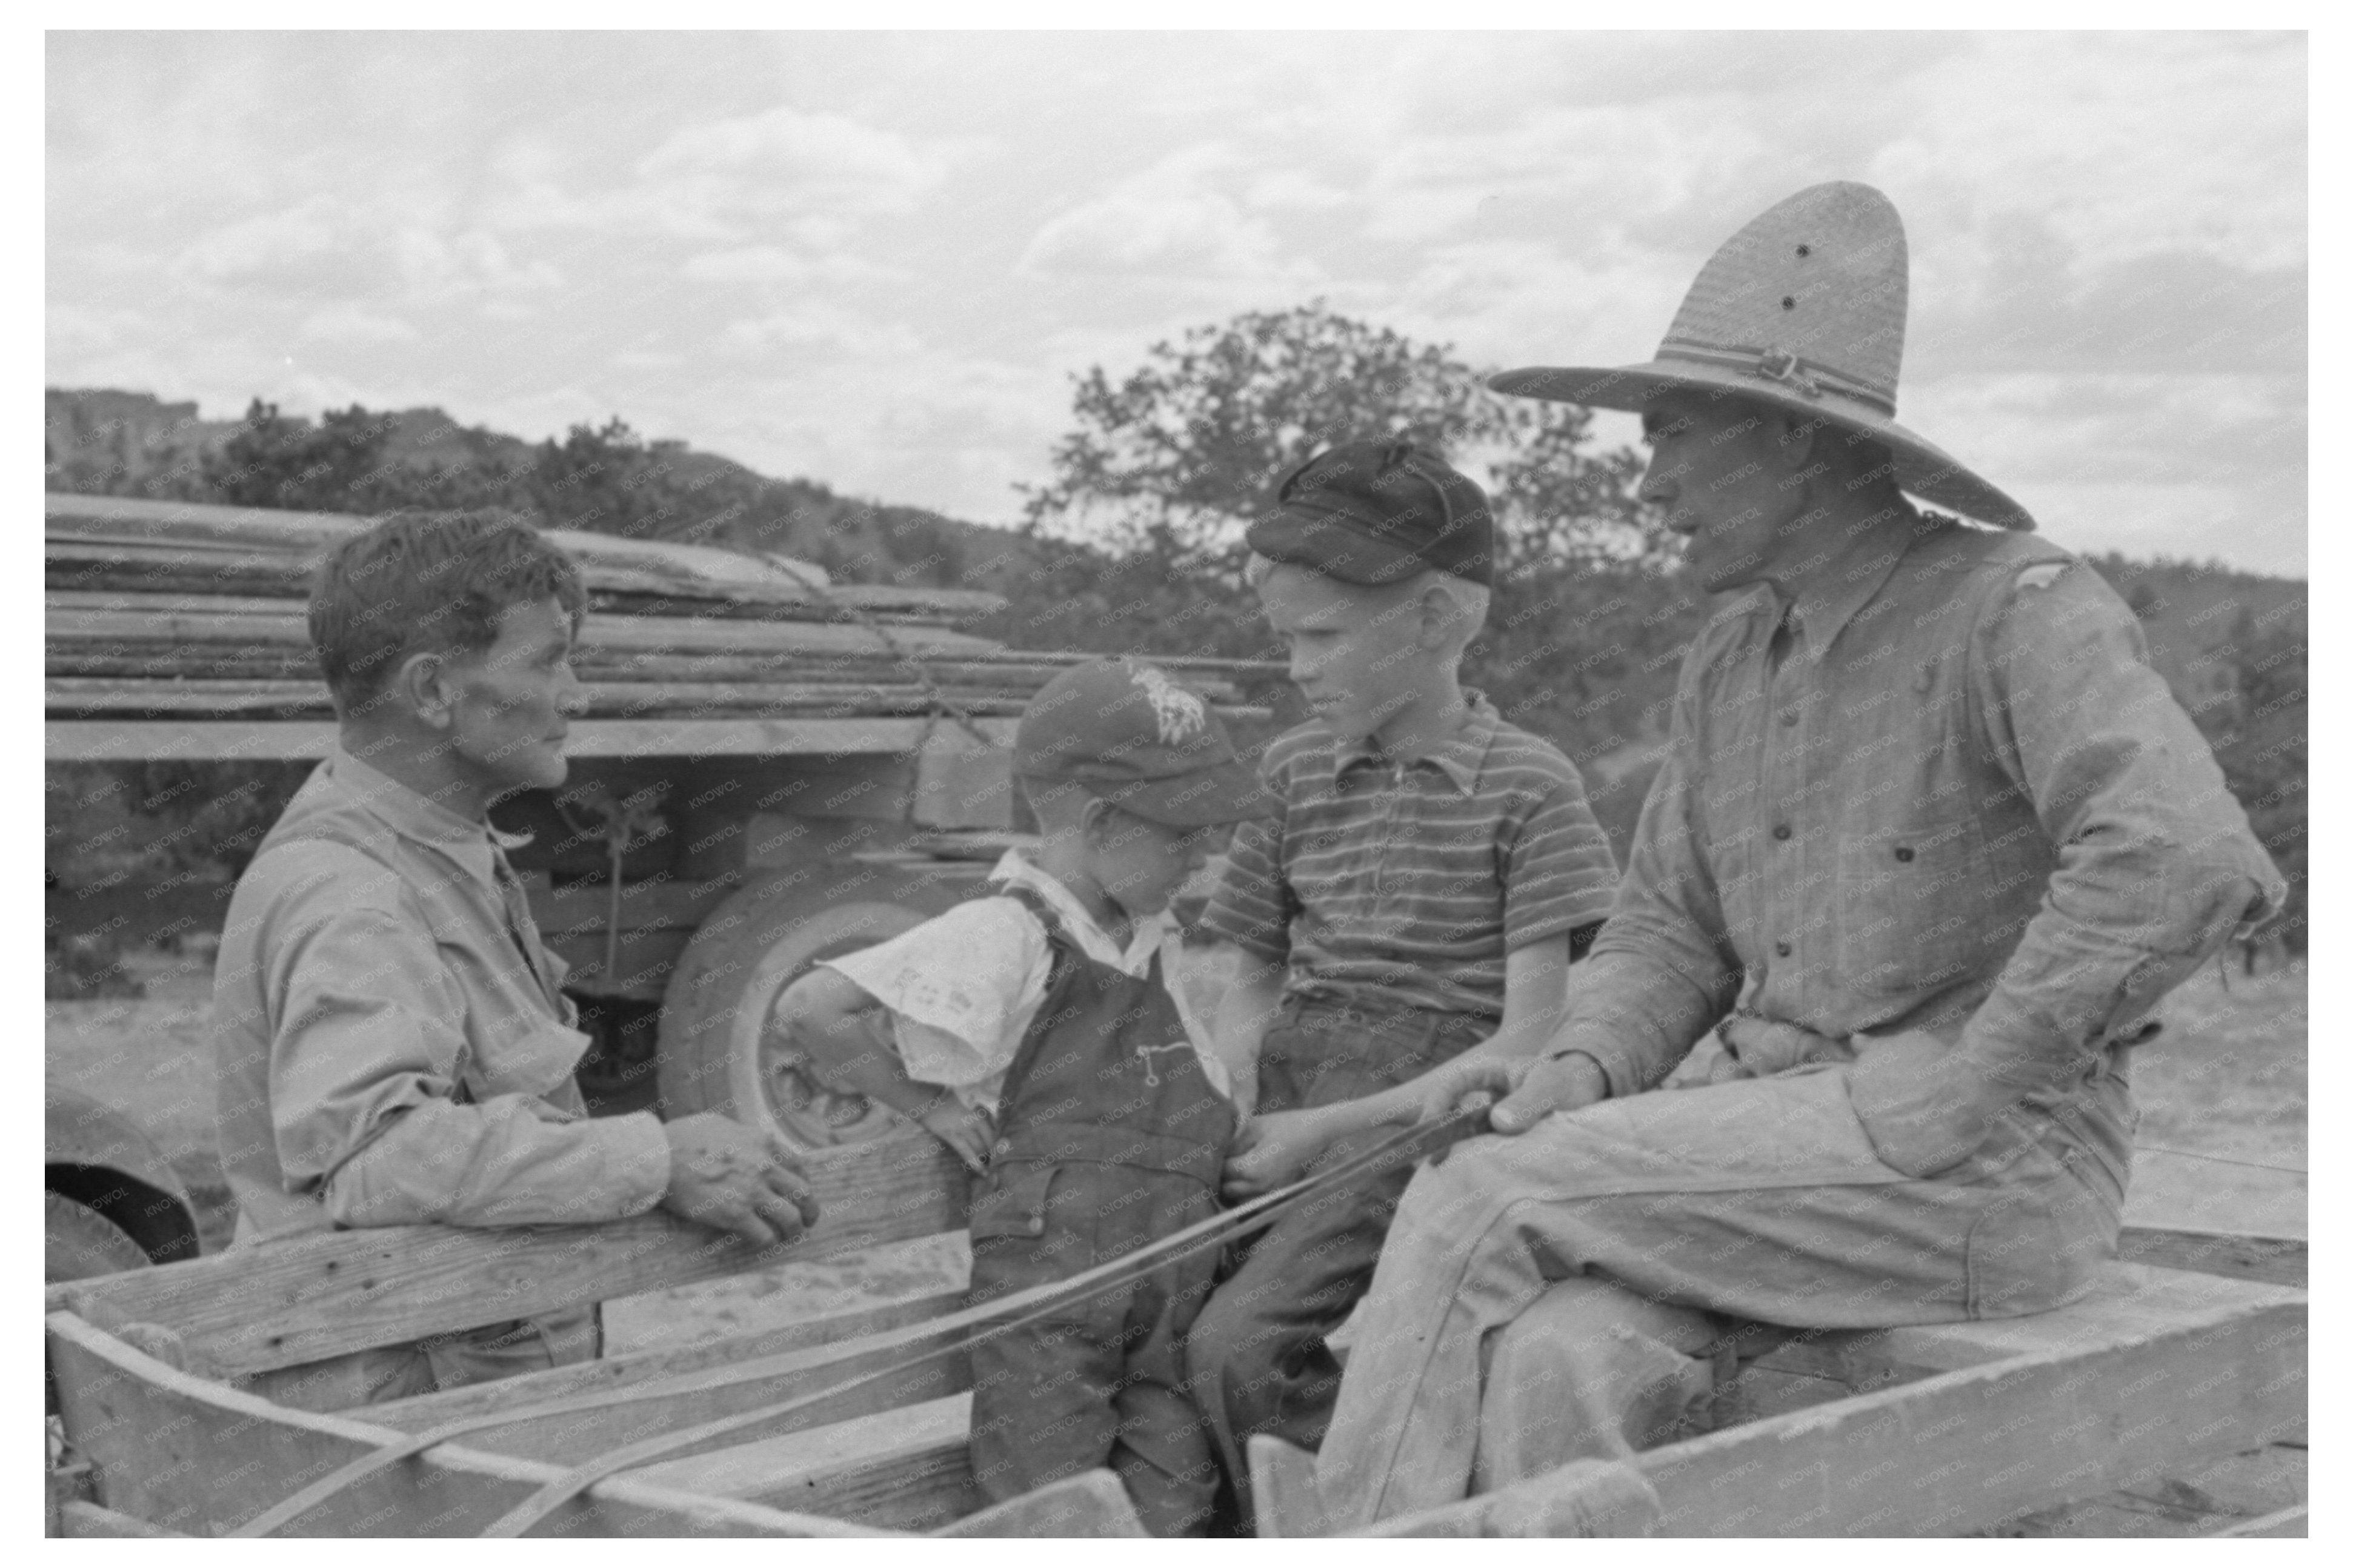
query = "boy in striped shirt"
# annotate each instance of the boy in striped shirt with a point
(1429, 876)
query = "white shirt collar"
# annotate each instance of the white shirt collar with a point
(1147, 937)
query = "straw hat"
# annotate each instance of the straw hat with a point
(1803, 310)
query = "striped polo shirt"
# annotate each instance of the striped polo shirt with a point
(1389, 884)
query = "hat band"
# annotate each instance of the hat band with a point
(1806, 377)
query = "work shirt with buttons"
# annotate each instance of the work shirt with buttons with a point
(1960, 800)
(1391, 883)
(392, 1042)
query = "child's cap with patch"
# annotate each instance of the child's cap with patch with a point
(1135, 737)
(1375, 512)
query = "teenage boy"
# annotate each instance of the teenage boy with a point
(1430, 875)
(392, 1041)
(1038, 1033)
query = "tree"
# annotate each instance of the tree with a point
(1181, 454)
(342, 464)
(1165, 468)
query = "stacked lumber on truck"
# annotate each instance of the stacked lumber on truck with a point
(181, 612)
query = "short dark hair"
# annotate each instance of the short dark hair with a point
(428, 581)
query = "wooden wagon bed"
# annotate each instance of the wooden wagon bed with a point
(2191, 1351)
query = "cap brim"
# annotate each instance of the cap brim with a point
(1228, 792)
(1922, 467)
(1326, 543)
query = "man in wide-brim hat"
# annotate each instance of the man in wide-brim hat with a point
(1930, 840)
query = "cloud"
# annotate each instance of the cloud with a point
(2030, 302)
(328, 250)
(774, 264)
(818, 330)
(350, 324)
(1172, 221)
(74, 331)
(782, 174)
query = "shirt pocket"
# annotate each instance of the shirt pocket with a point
(1907, 906)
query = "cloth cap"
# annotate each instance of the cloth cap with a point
(1376, 513)
(1133, 736)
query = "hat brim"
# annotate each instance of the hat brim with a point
(1922, 467)
(1226, 793)
(1327, 543)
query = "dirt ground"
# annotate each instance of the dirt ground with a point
(2225, 1081)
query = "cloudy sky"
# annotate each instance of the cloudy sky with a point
(876, 259)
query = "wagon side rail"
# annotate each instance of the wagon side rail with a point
(285, 1304)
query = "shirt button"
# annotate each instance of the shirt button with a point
(1781, 948)
(1003, 1147)
(1037, 1225)
(1790, 717)
(1903, 853)
(1780, 830)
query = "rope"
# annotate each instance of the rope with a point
(938, 701)
(2223, 1159)
(1016, 1309)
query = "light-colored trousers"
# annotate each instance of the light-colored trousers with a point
(1558, 1283)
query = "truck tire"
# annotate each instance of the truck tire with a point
(717, 1049)
(82, 1243)
(104, 1180)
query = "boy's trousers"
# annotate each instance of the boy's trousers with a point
(1101, 1381)
(1759, 1198)
(1256, 1354)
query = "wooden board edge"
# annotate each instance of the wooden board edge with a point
(89, 1521)
(1092, 1506)
(2288, 1523)
(689, 1507)
(1283, 1494)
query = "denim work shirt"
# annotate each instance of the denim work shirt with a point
(1956, 798)
(392, 1043)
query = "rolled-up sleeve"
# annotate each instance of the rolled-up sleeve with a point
(2156, 866)
(1661, 974)
(364, 1070)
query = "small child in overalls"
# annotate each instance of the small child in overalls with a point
(1040, 1034)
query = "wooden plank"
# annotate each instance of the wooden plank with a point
(1092, 1506)
(287, 1303)
(424, 1412)
(907, 1467)
(2129, 1299)
(1970, 1448)
(606, 560)
(111, 740)
(89, 697)
(2275, 1259)
(193, 1457)
(104, 739)
(89, 1521)
(633, 634)
(2288, 1523)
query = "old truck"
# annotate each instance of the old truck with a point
(774, 768)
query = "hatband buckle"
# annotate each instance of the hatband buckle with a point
(1779, 364)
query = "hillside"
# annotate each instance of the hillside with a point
(108, 442)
